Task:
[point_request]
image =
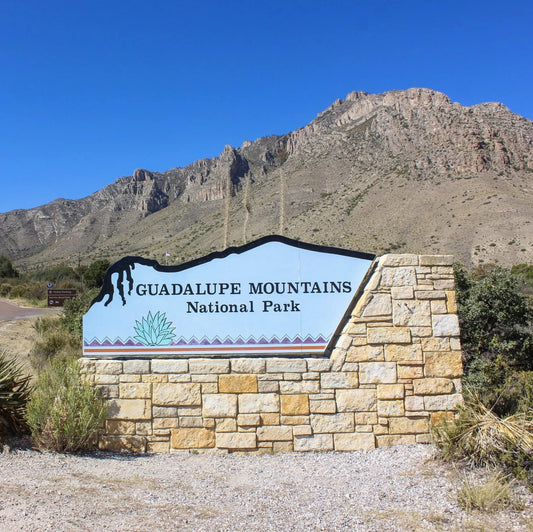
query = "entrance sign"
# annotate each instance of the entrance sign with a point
(274, 296)
(57, 297)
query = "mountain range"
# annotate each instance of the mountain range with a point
(404, 171)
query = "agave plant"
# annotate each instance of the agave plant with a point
(154, 329)
(14, 394)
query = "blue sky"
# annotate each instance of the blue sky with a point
(91, 90)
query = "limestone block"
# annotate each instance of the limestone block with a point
(451, 301)
(131, 390)
(443, 364)
(324, 406)
(414, 403)
(166, 423)
(430, 294)
(311, 376)
(257, 403)
(241, 383)
(364, 353)
(151, 377)
(358, 400)
(169, 366)
(410, 371)
(338, 356)
(286, 365)
(433, 386)
(133, 444)
(106, 378)
(445, 325)
(377, 372)
(436, 344)
(400, 276)
(423, 438)
(302, 430)
(189, 411)
(208, 365)
(116, 426)
(108, 391)
(178, 377)
(219, 405)
(130, 377)
(406, 425)
(436, 260)
(344, 342)
(355, 328)
(366, 418)
(444, 284)
(455, 344)
(398, 260)
(176, 394)
(295, 405)
(191, 422)
(165, 411)
(354, 442)
(342, 422)
(192, 438)
(272, 433)
(248, 420)
(439, 307)
(442, 402)
(299, 387)
(388, 335)
(402, 292)
(209, 387)
(338, 380)
(318, 442)
(269, 419)
(200, 377)
(391, 408)
(292, 376)
(236, 440)
(374, 281)
(158, 447)
(438, 418)
(129, 409)
(108, 367)
(136, 366)
(403, 353)
(268, 386)
(318, 364)
(390, 391)
(248, 365)
(294, 420)
(379, 305)
(411, 313)
(226, 425)
(143, 428)
(387, 440)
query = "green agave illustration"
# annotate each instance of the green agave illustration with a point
(154, 329)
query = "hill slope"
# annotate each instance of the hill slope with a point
(403, 170)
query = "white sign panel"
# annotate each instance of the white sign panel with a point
(273, 296)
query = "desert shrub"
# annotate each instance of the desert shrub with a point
(54, 343)
(93, 275)
(64, 412)
(14, 393)
(6, 268)
(494, 494)
(73, 311)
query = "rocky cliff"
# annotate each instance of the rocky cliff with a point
(404, 170)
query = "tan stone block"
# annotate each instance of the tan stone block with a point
(318, 442)
(133, 444)
(191, 422)
(443, 364)
(209, 424)
(208, 366)
(177, 377)
(273, 433)
(248, 365)
(294, 405)
(388, 335)
(343, 422)
(429, 294)
(268, 387)
(355, 328)
(108, 391)
(192, 438)
(143, 428)
(364, 353)
(282, 447)
(402, 292)
(423, 438)
(436, 344)
(286, 365)
(366, 418)
(403, 353)
(105, 378)
(381, 429)
(318, 364)
(311, 375)
(294, 420)
(442, 402)
(445, 325)
(421, 332)
(166, 423)
(339, 380)
(177, 394)
(205, 379)
(405, 425)
(269, 419)
(161, 365)
(438, 418)
(410, 371)
(433, 386)
(129, 409)
(226, 425)
(150, 377)
(344, 342)
(115, 426)
(209, 388)
(252, 403)
(436, 260)
(359, 400)
(248, 420)
(130, 377)
(377, 372)
(411, 313)
(379, 305)
(391, 408)
(399, 276)
(190, 411)
(358, 341)
(354, 442)
(158, 447)
(300, 387)
(240, 383)
(219, 405)
(135, 390)
(451, 301)
(236, 440)
(394, 259)
(292, 376)
(414, 403)
(324, 406)
(136, 366)
(302, 430)
(387, 440)
(108, 367)
(390, 391)
(439, 307)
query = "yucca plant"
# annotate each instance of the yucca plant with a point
(154, 329)
(15, 389)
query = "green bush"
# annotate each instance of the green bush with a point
(65, 413)
(14, 392)
(6, 268)
(54, 343)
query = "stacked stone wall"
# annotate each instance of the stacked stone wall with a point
(395, 370)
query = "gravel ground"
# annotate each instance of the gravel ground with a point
(401, 488)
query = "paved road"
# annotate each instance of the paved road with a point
(10, 312)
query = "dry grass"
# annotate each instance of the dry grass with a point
(494, 494)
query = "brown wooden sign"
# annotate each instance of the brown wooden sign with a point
(57, 297)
